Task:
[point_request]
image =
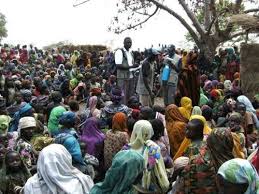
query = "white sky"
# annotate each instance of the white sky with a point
(42, 22)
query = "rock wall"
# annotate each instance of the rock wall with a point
(249, 70)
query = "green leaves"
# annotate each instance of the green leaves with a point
(3, 30)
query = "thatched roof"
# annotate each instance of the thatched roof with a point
(246, 21)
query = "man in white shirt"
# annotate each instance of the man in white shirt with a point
(124, 61)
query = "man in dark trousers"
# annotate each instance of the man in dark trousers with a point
(124, 61)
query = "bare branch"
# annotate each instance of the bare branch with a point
(251, 10)
(216, 19)
(193, 18)
(140, 23)
(179, 18)
(83, 2)
(237, 34)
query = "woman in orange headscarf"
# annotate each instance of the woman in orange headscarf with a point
(116, 138)
(175, 125)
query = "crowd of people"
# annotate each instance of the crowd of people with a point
(80, 122)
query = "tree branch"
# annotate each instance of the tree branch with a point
(83, 2)
(140, 23)
(179, 18)
(216, 19)
(192, 17)
(251, 10)
(237, 34)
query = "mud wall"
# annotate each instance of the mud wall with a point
(249, 69)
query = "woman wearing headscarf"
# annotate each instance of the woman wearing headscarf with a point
(68, 138)
(232, 64)
(186, 142)
(220, 144)
(249, 108)
(55, 114)
(154, 176)
(91, 110)
(56, 174)
(238, 135)
(186, 107)
(127, 162)
(227, 86)
(93, 137)
(196, 110)
(238, 176)
(175, 125)
(189, 80)
(116, 138)
(25, 110)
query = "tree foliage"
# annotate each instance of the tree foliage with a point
(207, 21)
(3, 31)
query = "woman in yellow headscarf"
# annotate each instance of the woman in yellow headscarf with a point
(186, 142)
(186, 107)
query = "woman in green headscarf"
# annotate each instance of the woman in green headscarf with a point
(126, 170)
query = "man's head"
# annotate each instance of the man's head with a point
(127, 43)
(171, 49)
(147, 113)
(152, 54)
(194, 129)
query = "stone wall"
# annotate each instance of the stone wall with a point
(249, 70)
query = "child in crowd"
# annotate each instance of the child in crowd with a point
(16, 173)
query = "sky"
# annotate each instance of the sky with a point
(44, 22)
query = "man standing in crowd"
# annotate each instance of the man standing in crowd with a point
(146, 78)
(124, 61)
(173, 61)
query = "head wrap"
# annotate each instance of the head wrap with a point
(220, 143)
(239, 171)
(67, 117)
(215, 93)
(119, 122)
(4, 123)
(186, 107)
(142, 132)
(196, 110)
(227, 85)
(116, 94)
(115, 180)
(172, 113)
(214, 83)
(56, 174)
(247, 102)
(26, 122)
(92, 136)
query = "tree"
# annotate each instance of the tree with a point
(207, 31)
(3, 31)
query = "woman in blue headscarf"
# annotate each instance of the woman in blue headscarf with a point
(25, 110)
